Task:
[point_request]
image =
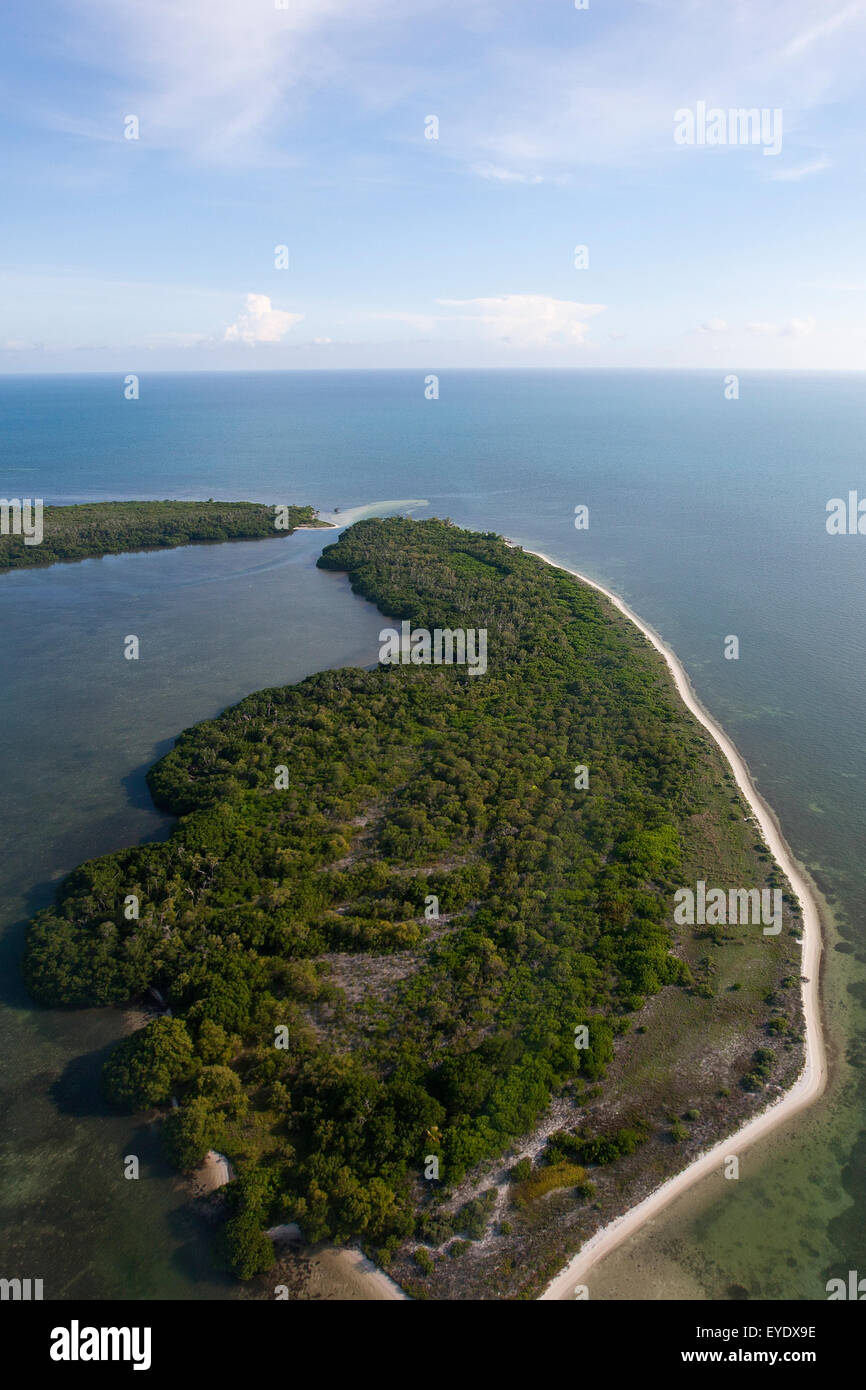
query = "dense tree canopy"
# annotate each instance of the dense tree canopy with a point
(406, 784)
(107, 528)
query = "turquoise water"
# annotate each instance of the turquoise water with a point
(706, 515)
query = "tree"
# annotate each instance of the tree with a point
(189, 1132)
(246, 1248)
(145, 1068)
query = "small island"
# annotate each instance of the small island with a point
(90, 529)
(417, 930)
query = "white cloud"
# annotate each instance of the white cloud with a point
(799, 328)
(260, 323)
(498, 174)
(828, 26)
(222, 79)
(228, 82)
(597, 101)
(713, 326)
(516, 320)
(794, 328)
(801, 171)
(527, 320)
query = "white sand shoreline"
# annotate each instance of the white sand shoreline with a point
(366, 1278)
(813, 1077)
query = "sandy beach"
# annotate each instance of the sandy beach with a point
(212, 1174)
(813, 1077)
(329, 1267)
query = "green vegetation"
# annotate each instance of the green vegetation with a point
(763, 1062)
(108, 528)
(405, 784)
(521, 1170)
(547, 1179)
(434, 1227)
(471, 1219)
(593, 1152)
(144, 1069)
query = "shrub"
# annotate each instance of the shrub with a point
(603, 1149)
(763, 1062)
(472, 1216)
(547, 1179)
(434, 1228)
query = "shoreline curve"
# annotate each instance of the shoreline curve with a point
(812, 1079)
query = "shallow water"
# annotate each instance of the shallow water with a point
(80, 726)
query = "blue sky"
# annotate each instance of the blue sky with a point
(304, 127)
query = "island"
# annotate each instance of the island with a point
(90, 529)
(457, 964)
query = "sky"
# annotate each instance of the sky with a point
(196, 185)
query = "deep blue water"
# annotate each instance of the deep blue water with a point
(706, 515)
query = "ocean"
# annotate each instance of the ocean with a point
(707, 515)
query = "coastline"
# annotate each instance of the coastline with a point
(363, 1279)
(812, 1079)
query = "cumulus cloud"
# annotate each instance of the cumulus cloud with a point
(713, 326)
(260, 323)
(527, 320)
